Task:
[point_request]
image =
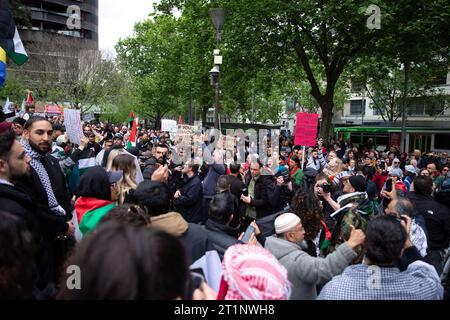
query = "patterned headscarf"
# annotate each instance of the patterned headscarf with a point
(253, 273)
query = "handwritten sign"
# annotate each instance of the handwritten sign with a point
(72, 122)
(306, 129)
(168, 126)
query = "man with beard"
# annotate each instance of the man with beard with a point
(46, 186)
(14, 163)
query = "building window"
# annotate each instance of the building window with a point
(356, 107)
(425, 107)
(376, 111)
(442, 141)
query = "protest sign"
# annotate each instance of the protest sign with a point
(306, 129)
(168, 126)
(72, 122)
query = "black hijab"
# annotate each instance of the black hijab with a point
(95, 184)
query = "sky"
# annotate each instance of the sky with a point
(117, 19)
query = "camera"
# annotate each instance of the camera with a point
(326, 188)
(284, 174)
(389, 185)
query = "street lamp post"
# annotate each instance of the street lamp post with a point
(218, 16)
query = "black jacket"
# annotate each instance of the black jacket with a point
(196, 242)
(236, 187)
(279, 196)
(19, 204)
(53, 253)
(150, 167)
(437, 217)
(219, 235)
(190, 204)
(50, 225)
(261, 199)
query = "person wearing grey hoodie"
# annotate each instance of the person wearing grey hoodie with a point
(306, 272)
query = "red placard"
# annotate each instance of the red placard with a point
(53, 110)
(306, 129)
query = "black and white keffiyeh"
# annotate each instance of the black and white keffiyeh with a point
(36, 164)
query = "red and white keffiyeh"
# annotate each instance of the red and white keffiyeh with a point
(253, 273)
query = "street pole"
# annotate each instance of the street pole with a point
(403, 146)
(218, 17)
(216, 117)
(190, 120)
(253, 105)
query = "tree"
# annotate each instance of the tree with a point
(382, 79)
(13, 89)
(152, 58)
(20, 13)
(64, 69)
(418, 36)
(320, 37)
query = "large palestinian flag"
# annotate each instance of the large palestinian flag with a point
(9, 36)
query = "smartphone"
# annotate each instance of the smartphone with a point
(383, 165)
(164, 159)
(197, 277)
(389, 185)
(248, 233)
(245, 192)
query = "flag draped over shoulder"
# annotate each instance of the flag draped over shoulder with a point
(2, 66)
(9, 36)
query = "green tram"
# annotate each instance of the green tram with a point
(422, 138)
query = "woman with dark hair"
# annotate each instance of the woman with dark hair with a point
(128, 214)
(97, 194)
(16, 258)
(308, 208)
(123, 262)
(295, 171)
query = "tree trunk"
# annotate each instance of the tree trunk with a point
(204, 112)
(327, 106)
(326, 123)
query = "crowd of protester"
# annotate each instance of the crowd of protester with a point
(340, 221)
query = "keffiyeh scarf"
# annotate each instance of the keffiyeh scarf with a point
(36, 164)
(418, 238)
(253, 273)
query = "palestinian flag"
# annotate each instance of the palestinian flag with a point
(2, 66)
(30, 100)
(90, 211)
(130, 120)
(9, 36)
(134, 133)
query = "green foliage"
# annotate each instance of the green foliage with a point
(21, 14)
(276, 51)
(13, 88)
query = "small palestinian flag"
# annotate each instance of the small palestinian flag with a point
(9, 36)
(130, 120)
(134, 134)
